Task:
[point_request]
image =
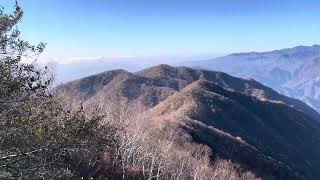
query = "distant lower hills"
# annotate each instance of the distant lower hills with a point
(239, 119)
(294, 72)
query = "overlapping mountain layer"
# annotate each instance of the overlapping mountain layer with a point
(239, 119)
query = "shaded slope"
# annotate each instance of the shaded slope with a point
(245, 129)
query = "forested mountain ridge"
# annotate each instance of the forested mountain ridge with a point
(165, 79)
(203, 103)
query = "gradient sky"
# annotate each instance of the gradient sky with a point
(110, 28)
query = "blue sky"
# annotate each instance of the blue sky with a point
(112, 28)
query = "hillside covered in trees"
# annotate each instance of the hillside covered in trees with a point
(237, 119)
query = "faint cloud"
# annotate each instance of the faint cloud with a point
(83, 60)
(77, 60)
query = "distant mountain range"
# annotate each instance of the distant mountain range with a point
(239, 119)
(294, 72)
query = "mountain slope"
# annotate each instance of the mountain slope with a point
(252, 130)
(247, 86)
(239, 119)
(293, 72)
(147, 88)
